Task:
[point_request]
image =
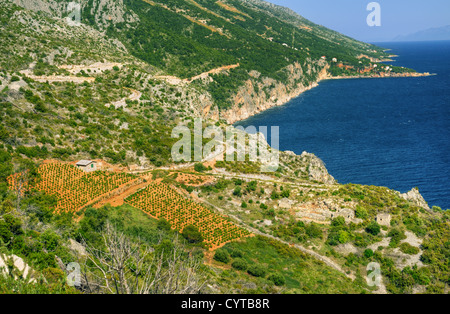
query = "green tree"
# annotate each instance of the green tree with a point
(313, 231)
(199, 167)
(257, 270)
(222, 256)
(192, 234)
(368, 253)
(373, 228)
(163, 224)
(239, 264)
(277, 279)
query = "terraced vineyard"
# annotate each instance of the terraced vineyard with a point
(75, 188)
(161, 201)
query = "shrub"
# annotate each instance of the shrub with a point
(313, 231)
(285, 194)
(368, 253)
(344, 236)
(222, 256)
(274, 195)
(373, 228)
(199, 167)
(192, 234)
(236, 253)
(163, 224)
(40, 107)
(239, 264)
(409, 249)
(277, 279)
(257, 270)
(5, 233)
(251, 186)
(53, 275)
(361, 212)
(339, 221)
(50, 240)
(396, 236)
(165, 248)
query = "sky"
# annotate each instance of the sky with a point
(398, 17)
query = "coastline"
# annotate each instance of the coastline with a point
(392, 75)
(326, 77)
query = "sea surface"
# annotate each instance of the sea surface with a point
(392, 132)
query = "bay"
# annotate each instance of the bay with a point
(392, 132)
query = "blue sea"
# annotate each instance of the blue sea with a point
(392, 132)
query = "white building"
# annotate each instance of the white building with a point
(87, 165)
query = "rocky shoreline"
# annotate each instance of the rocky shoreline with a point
(382, 75)
(239, 113)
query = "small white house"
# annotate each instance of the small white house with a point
(87, 165)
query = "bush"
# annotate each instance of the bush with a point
(40, 107)
(373, 228)
(344, 236)
(163, 224)
(338, 221)
(237, 192)
(396, 235)
(277, 279)
(361, 212)
(222, 256)
(199, 167)
(239, 264)
(274, 195)
(257, 270)
(368, 253)
(53, 275)
(165, 249)
(5, 233)
(50, 240)
(409, 249)
(236, 253)
(313, 231)
(192, 234)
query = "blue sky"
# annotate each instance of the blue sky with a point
(398, 17)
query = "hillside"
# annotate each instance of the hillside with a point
(155, 62)
(113, 89)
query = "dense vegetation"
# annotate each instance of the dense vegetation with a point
(259, 40)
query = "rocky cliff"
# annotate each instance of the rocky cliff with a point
(259, 94)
